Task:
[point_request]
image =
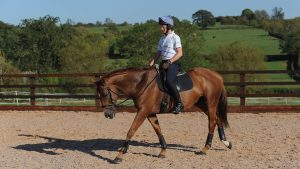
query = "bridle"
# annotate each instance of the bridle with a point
(111, 105)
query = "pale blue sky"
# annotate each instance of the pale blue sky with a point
(133, 11)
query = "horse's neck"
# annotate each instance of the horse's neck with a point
(127, 83)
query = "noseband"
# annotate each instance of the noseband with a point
(111, 106)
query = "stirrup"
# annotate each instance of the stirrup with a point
(178, 108)
(163, 107)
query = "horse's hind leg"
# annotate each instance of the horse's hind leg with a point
(138, 120)
(155, 124)
(222, 134)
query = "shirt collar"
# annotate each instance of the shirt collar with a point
(171, 33)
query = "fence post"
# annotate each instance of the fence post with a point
(242, 90)
(97, 99)
(32, 90)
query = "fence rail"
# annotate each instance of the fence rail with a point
(241, 94)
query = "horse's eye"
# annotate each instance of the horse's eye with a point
(103, 92)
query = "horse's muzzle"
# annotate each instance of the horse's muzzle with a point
(110, 112)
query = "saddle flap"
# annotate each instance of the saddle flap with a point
(183, 82)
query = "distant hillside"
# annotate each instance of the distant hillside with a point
(257, 38)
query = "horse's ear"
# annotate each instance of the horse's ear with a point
(99, 82)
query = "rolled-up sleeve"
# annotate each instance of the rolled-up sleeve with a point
(177, 42)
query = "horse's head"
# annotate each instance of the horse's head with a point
(106, 97)
(128, 82)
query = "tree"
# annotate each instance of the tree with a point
(86, 52)
(192, 44)
(228, 20)
(108, 22)
(124, 24)
(203, 18)
(9, 41)
(248, 15)
(290, 44)
(6, 68)
(261, 15)
(278, 14)
(99, 23)
(37, 44)
(70, 22)
(238, 56)
(139, 44)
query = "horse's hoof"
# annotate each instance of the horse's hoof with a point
(230, 145)
(161, 156)
(200, 153)
(117, 160)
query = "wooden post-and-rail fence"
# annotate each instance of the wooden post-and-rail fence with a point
(242, 84)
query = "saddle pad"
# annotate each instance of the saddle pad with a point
(183, 83)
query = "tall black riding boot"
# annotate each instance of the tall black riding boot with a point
(178, 108)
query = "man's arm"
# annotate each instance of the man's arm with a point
(177, 56)
(155, 58)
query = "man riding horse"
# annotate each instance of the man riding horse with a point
(170, 50)
(207, 93)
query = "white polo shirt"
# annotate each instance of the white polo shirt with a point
(168, 44)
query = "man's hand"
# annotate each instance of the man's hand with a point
(166, 64)
(151, 63)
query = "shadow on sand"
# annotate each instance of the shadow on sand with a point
(90, 146)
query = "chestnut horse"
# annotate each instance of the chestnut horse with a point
(208, 94)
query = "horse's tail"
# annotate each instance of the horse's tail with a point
(222, 109)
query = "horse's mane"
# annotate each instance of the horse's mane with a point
(125, 70)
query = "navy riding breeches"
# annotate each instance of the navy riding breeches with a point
(171, 73)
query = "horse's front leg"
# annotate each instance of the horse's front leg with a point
(138, 120)
(212, 122)
(155, 124)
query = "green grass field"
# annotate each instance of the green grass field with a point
(256, 38)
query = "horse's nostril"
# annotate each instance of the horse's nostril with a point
(109, 114)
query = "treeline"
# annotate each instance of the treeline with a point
(257, 18)
(46, 46)
(107, 22)
(288, 31)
